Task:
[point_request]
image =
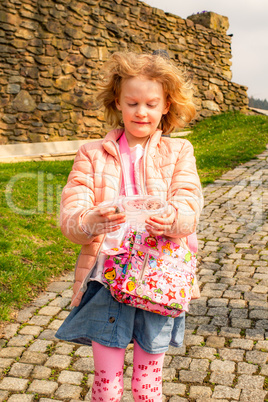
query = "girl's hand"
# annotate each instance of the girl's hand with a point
(159, 225)
(101, 220)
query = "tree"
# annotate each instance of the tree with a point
(258, 103)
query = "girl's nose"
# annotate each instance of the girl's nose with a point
(141, 111)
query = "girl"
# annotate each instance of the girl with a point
(147, 96)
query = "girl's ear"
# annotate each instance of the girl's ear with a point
(117, 104)
(165, 111)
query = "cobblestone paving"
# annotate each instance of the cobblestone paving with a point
(225, 354)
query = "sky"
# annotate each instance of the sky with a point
(248, 20)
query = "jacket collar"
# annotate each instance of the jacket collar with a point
(110, 139)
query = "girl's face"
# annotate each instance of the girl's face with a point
(142, 102)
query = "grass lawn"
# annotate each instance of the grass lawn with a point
(224, 141)
(32, 248)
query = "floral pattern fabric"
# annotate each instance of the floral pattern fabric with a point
(151, 273)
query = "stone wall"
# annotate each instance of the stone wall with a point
(51, 52)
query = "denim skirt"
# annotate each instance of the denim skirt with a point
(102, 319)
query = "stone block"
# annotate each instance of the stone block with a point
(9, 18)
(84, 364)
(31, 330)
(68, 391)
(84, 351)
(235, 355)
(89, 52)
(63, 315)
(193, 340)
(245, 368)
(225, 366)
(21, 370)
(33, 358)
(64, 348)
(218, 302)
(53, 26)
(41, 373)
(250, 382)
(197, 391)
(14, 384)
(222, 378)
(40, 346)
(252, 395)
(241, 323)
(3, 395)
(13, 89)
(24, 102)
(52, 328)
(45, 60)
(180, 362)
(168, 374)
(65, 83)
(202, 352)
(55, 117)
(58, 361)
(49, 335)
(256, 333)
(11, 352)
(262, 345)
(5, 363)
(239, 313)
(259, 314)
(21, 398)
(10, 330)
(83, 102)
(264, 370)
(207, 330)
(199, 365)
(242, 344)
(43, 387)
(222, 391)
(70, 377)
(257, 357)
(60, 302)
(192, 376)
(39, 320)
(171, 389)
(73, 32)
(215, 341)
(230, 332)
(20, 340)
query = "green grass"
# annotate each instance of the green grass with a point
(32, 248)
(224, 141)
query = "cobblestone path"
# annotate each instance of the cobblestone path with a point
(226, 344)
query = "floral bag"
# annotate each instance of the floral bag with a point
(151, 273)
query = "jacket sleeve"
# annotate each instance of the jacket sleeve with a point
(185, 193)
(77, 197)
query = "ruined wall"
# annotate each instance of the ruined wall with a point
(51, 52)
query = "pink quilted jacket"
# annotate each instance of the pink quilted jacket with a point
(168, 169)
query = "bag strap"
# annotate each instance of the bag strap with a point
(130, 187)
(128, 169)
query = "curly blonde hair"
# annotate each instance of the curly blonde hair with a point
(126, 65)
